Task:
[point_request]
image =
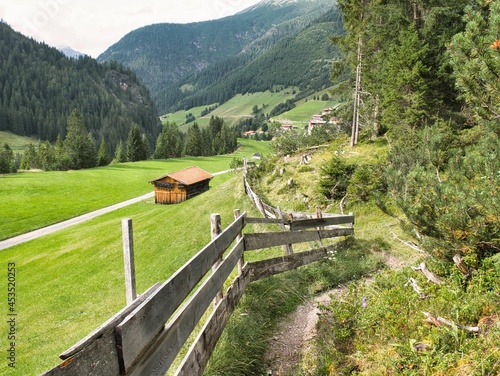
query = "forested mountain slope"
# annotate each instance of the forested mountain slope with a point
(39, 87)
(303, 60)
(162, 54)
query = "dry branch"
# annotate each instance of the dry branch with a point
(462, 266)
(432, 277)
(414, 284)
(439, 321)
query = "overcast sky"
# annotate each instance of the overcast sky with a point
(91, 26)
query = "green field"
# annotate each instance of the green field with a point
(32, 200)
(17, 143)
(70, 282)
(237, 108)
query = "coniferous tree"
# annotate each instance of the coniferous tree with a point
(78, 145)
(7, 160)
(61, 157)
(474, 54)
(29, 160)
(193, 141)
(120, 153)
(102, 155)
(135, 145)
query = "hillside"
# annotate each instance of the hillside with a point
(39, 87)
(169, 58)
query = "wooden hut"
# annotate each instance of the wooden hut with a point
(181, 185)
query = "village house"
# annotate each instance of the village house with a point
(180, 186)
(320, 119)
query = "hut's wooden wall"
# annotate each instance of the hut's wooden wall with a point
(170, 191)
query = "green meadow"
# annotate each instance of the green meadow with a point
(237, 108)
(17, 143)
(70, 282)
(31, 200)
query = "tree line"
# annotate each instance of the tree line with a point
(425, 76)
(78, 150)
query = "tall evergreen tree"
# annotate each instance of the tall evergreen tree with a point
(193, 141)
(475, 58)
(169, 143)
(136, 148)
(120, 153)
(102, 154)
(78, 145)
(7, 160)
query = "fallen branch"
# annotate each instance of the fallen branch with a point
(408, 244)
(438, 321)
(416, 288)
(432, 277)
(462, 266)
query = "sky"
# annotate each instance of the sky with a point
(91, 26)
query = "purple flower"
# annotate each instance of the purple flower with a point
(363, 302)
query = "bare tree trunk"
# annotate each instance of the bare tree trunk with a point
(357, 93)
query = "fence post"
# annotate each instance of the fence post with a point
(128, 256)
(215, 224)
(288, 247)
(241, 261)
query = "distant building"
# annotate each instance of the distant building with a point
(180, 186)
(320, 119)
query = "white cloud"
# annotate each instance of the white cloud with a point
(92, 26)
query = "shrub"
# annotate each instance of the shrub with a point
(335, 178)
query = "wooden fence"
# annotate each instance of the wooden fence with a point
(146, 337)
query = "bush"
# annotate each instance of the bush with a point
(335, 177)
(365, 181)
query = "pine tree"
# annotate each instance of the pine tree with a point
(135, 145)
(7, 160)
(193, 141)
(475, 56)
(29, 160)
(120, 153)
(78, 144)
(102, 155)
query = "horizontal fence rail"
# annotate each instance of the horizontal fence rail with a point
(146, 336)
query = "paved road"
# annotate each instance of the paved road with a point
(4, 244)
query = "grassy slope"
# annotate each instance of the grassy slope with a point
(34, 200)
(70, 282)
(239, 107)
(17, 143)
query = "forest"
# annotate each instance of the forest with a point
(40, 87)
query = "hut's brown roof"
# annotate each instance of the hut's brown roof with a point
(187, 176)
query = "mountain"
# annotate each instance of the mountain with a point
(164, 54)
(40, 87)
(302, 60)
(69, 52)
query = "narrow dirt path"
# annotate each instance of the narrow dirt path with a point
(294, 335)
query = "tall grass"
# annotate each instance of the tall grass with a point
(245, 340)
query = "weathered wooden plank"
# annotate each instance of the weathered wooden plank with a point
(274, 239)
(320, 222)
(196, 360)
(267, 268)
(141, 327)
(266, 220)
(128, 258)
(162, 352)
(110, 324)
(95, 355)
